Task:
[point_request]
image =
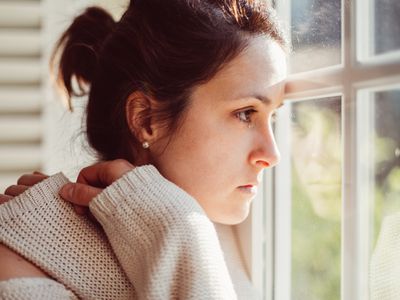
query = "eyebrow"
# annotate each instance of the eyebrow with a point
(265, 100)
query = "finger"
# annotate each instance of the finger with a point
(104, 173)
(81, 210)
(30, 179)
(79, 193)
(15, 190)
(4, 198)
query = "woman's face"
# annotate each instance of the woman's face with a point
(226, 139)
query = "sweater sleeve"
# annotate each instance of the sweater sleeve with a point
(46, 231)
(34, 289)
(164, 241)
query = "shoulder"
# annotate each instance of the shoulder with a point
(14, 265)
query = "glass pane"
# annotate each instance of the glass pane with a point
(387, 156)
(387, 25)
(385, 282)
(315, 34)
(316, 199)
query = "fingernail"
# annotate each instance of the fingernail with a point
(66, 191)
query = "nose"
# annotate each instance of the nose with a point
(265, 152)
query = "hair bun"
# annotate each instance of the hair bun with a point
(78, 49)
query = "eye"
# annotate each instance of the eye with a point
(245, 115)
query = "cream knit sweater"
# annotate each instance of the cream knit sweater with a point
(158, 244)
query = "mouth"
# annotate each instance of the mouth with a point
(249, 189)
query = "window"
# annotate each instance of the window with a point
(316, 177)
(309, 39)
(322, 208)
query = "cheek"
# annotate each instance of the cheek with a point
(206, 148)
(218, 155)
(203, 157)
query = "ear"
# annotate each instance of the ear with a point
(138, 111)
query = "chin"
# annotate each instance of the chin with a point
(233, 218)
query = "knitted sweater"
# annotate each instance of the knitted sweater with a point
(157, 243)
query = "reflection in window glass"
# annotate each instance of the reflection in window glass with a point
(386, 156)
(315, 34)
(316, 199)
(387, 25)
(385, 182)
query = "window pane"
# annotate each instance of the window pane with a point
(387, 25)
(387, 155)
(316, 199)
(315, 34)
(385, 282)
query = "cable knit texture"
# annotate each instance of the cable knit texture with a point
(385, 261)
(160, 235)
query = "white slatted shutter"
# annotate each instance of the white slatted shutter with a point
(20, 89)
(36, 131)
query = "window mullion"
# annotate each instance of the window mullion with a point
(282, 204)
(269, 236)
(350, 245)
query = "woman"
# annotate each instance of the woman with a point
(185, 91)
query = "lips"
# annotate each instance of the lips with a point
(251, 183)
(251, 186)
(248, 188)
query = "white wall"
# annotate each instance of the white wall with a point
(64, 145)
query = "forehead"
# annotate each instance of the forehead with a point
(259, 70)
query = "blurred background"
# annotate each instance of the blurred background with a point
(37, 132)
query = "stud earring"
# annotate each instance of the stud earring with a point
(145, 145)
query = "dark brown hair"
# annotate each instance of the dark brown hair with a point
(163, 48)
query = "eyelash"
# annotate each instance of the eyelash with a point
(251, 111)
(248, 113)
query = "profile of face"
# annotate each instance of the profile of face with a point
(316, 154)
(225, 139)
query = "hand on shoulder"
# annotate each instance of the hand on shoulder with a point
(93, 179)
(90, 182)
(23, 183)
